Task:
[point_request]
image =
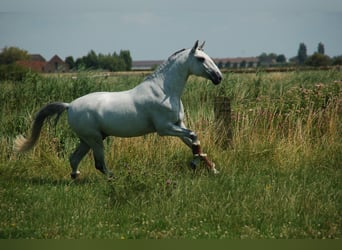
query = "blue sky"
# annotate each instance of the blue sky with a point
(154, 29)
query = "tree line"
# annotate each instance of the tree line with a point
(317, 59)
(94, 61)
(122, 61)
(10, 70)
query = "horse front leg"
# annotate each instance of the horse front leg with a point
(199, 156)
(191, 140)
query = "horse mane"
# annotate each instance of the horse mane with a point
(162, 66)
(177, 52)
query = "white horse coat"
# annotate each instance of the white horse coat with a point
(152, 106)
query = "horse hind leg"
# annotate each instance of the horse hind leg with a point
(100, 164)
(76, 157)
(96, 144)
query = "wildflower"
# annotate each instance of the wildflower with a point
(170, 183)
(268, 187)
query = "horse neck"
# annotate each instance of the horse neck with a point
(172, 76)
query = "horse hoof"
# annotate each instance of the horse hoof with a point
(194, 163)
(215, 171)
(110, 175)
(75, 175)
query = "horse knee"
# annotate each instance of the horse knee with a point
(193, 136)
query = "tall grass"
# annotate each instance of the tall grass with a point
(280, 177)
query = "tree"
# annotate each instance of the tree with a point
(9, 70)
(281, 59)
(91, 60)
(337, 60)
(263, 57)
(125, 55)
(111, 62)
(320, 48)
(70, 61)
(267, 59)
(10, 55)
(79, 64)
(302, 54)
(317, 60)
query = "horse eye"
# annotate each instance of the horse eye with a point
(201, 59)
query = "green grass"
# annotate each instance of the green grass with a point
(280, 177)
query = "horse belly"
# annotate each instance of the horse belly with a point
(125, 125)
(111, 114)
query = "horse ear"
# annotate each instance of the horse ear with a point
(195, 47)
(201, 46)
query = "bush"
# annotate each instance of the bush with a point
(317, 60)
(12, 72)
(337, 60)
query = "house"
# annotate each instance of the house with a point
(36, 66)
(145, 65)
(38, 63)
(56, 64)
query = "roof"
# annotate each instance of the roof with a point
(56, 58)
(146, 64)
(37, 57)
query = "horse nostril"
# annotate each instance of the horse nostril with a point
(219, 77)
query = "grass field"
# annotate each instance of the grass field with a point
(280, 177)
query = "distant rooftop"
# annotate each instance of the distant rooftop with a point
(146, 65)
(37, 58)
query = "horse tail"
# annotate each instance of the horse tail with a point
(21, 144)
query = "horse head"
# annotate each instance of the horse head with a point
(202, 65)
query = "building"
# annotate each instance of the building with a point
(238, 62)
(146, 65)
(56, 64)
(38, 63)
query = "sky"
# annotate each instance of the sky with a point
(154, 29)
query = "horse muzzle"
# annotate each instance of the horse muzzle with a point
(216, 77)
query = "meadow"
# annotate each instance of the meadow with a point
(280, 173)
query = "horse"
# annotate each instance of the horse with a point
(152, 106)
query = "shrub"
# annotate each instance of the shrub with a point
(12, 72)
